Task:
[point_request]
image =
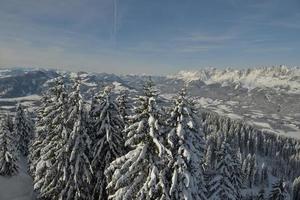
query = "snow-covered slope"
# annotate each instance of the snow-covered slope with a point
(18, 187)
(280, 77)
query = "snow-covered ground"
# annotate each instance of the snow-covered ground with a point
(288, 125)
(18, 187)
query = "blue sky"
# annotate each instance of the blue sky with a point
(148, 36)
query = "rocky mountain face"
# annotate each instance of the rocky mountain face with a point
(267, 98)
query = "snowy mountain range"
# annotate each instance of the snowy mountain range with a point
(267, 98)
(281, 78)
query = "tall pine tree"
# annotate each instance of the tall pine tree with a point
(107, 127)
(221, 185)
(73, 162)
(41, 128)
(64, 170)
(296, 188)
(279, 191)
(188, 148)
(237, 175)
(261, 194)
(49, 142)
(123, 105)
(264, 178)
(23, 130)
(139, 174)
(8, 150)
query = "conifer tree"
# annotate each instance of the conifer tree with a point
(245, 171)
(40, 132)
(237, 175)
(123, 105)
(278, 191)
(73, 163)
(10, 124)
(108, 144)
(221, 185)
(210, 156)
(257, 175)
(140, 174)
(23, 130)
(252, 169)
(49, 142)
(188, 148)
(8, 149)
(261, 194)
(296, 189)
(64, 170)
(264, 179)
(249, 169)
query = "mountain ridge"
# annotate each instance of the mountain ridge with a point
(278, 77)
(269, 104)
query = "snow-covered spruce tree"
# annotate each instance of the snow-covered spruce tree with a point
(108, 143)
(123, 105)
(10, 123)
(188, 149)
(64, 171)
(8, 150)
(40, 132)
(49, 141)
(245, 164)
(139, 174)
(249, 169)
(210, 156)
(257, 175)
(72, 164)
(237, 177)
(264, 178)
(252, 168)
(279, 191)
(221, 186)
(30, 116)
(261, 194)
(23, 130)
(296, 189)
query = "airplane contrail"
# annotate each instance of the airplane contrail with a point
(115, 19)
